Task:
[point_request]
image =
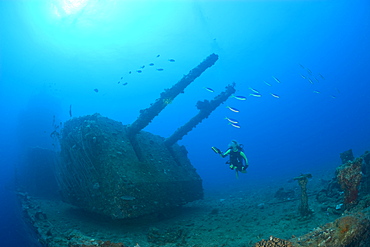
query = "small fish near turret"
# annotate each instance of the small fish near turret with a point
(239, 97)
(276, 79)
(257, 95)
(275, 95)
(233, 109)
(235, 125)
(209, 89)
(231, 120)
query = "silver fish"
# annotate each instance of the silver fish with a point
(232, 109)
(276, 79)
(209, 89)
(256, 95)
(239, 97)
(275, 95)
(254, 90)
(235, 125)
(231, 120)
(268, 84)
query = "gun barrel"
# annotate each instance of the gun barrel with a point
(166, 97)
(205, 109)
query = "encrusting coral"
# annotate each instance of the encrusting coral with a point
(274, 242)
(349, 177)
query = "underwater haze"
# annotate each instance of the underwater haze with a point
(303, 67)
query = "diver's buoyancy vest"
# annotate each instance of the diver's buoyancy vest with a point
(236, 158)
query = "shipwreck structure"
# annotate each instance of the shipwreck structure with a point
(121, 171)
(304, 210)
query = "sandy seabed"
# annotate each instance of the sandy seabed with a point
(230, 216)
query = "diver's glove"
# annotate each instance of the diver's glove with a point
(216, 150)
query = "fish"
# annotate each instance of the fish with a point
(139, 71)
(160, 69)
(232, 109)
(322, 77)
(96, 90)
(301, 66)
(333, 96)
(171, 60)
(256, 95)
(268, 84)
(124, 84)
(70, 110)
(158, 55)
(310, 80)
(235, 125)
(304, 77)
(239, 97)
(275, 95)
(276, 79)
(254, 90)
(315, 91)
(309, 71)
(129, 72)
(231, 120)
(209, 89)
(118, 82)
(151, 64)
(128, 198)
(142, 67)
(121, 77)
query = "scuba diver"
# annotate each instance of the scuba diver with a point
(238, 161)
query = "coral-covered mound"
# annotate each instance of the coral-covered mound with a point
(349, 177)
(104, 171)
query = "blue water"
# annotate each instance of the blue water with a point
(54, 53)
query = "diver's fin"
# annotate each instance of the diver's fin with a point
(236, 174)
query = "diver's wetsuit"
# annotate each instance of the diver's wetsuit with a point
(236, 159)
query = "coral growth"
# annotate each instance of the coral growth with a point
(344, 225)
(99, 243)
(365, 186)
(274, 242)
(349, 177)
(348, 230)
